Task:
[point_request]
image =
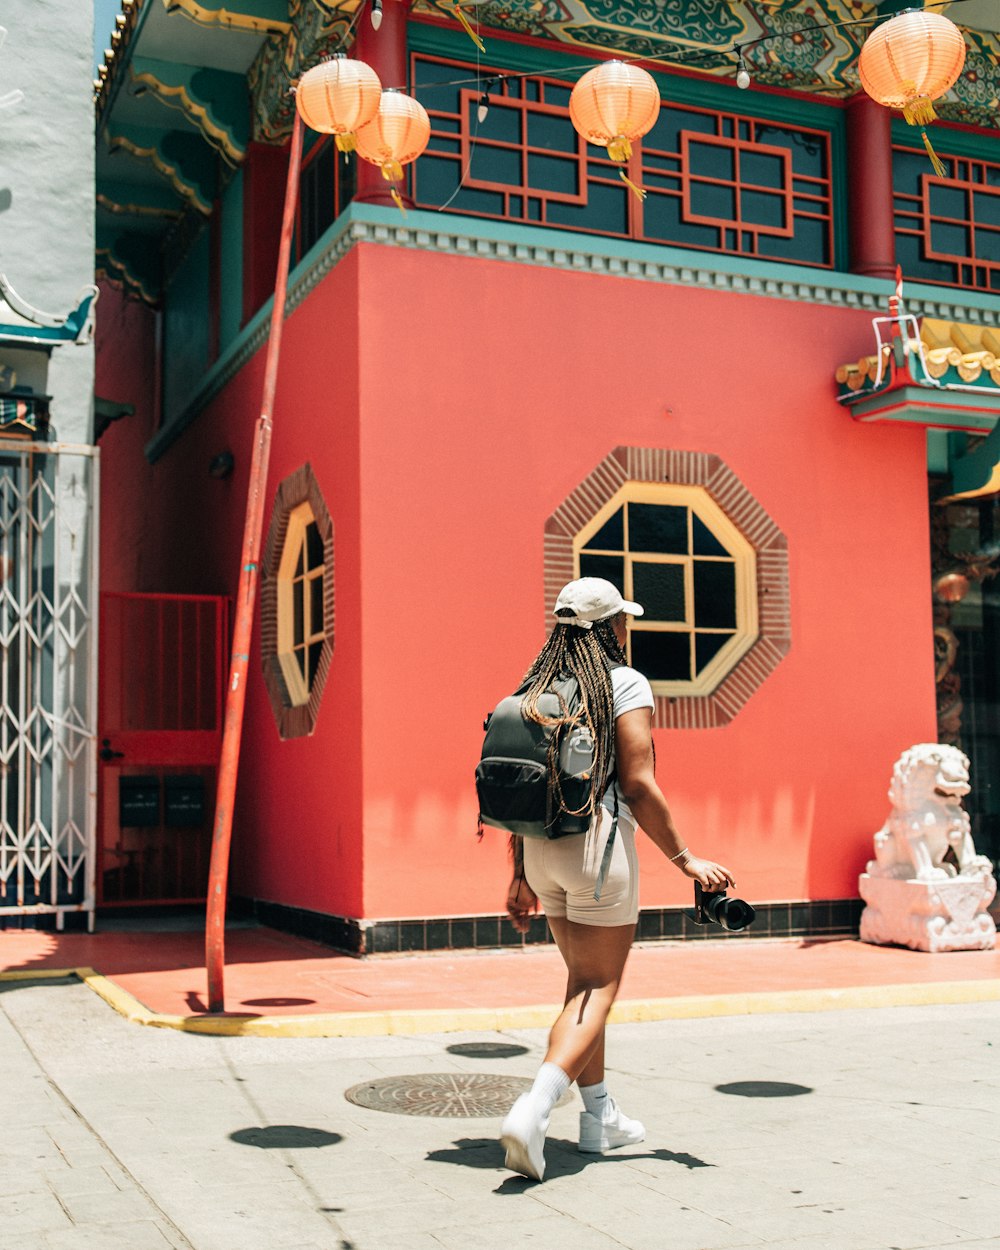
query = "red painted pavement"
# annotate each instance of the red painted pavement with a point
(271, 973)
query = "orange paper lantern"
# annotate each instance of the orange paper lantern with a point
(612, 105)
(910, 60)
(337, 97)
(395, 136)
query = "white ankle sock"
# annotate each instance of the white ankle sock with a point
(595, 1098)
(550, 1085)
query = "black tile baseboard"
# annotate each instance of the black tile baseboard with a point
(820, 919)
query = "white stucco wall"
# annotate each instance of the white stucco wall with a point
(47, 186)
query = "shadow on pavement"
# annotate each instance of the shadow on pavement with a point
(285, 1137)
(764, 1089)
(562, 1159)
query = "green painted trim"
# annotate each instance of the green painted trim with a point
(911, 405)
(947, 141)
(185, 160)
(974, 471)
(213, 101)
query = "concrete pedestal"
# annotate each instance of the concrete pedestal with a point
(948, 914)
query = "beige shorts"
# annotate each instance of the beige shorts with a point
(564, 871)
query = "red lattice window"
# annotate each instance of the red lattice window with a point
(948, 229)
(715, 181)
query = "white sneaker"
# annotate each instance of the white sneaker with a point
(609, 1132)
(522, 1135)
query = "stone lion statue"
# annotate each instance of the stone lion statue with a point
(927, 819)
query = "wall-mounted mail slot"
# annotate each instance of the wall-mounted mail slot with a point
(184, 801)
(138, 802)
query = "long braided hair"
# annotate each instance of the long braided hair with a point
(588, 655)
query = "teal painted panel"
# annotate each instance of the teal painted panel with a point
(231, 262)
(185, 328)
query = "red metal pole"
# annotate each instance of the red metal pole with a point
(218, 872)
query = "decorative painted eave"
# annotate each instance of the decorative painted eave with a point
(24, 325)
(182, 159)
(129, 261)
(124, 200)
(257, 17)
(213, 101)
(944, 374)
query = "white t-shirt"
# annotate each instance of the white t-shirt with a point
(631, 690)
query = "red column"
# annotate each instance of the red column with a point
(385, 51)
(869, 164)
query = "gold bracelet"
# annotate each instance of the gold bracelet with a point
(678, 855)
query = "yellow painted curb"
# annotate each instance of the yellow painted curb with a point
(489, 1019)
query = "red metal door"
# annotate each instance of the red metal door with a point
(161, 676)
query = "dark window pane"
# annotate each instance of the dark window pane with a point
(316, 605)
(707, 647)
(299, 656)
(760, 209)
(659, 588)
(300, 566)
(661, 656)
(611, 535)
(666, 134)
(951, 240)
(808, 151)
(298, 614)
(988, 245)
(710, 200)
(715, 594)
(501, 123)
(314, 545)
(704, 542)
(556, 95)
(315, 651)
(712, 160)
(662, 220)
(948, 202)
(810, 244)
(612, 568)
(552, 173)
(496, 165)
(762, 170)
(657, 527)
(555, 133)
(910, 254)
(606, 209)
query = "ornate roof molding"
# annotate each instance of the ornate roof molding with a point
(213, 101)
(181, 159)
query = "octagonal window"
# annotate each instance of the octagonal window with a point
(672, 549)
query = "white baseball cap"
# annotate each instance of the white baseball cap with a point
(591, 599)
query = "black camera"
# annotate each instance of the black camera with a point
(717, 908)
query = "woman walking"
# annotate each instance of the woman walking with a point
(594, 935)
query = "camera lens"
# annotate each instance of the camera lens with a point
(733, 914)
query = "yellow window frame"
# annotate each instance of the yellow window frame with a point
(741, 555)
(292, 586)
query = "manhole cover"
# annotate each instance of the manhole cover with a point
(486, 1050)
(450, 1095)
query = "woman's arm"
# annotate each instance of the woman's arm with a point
(521, 899)
(634, 751)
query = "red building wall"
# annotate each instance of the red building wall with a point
(448, 405)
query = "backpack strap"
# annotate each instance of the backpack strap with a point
(602, 876)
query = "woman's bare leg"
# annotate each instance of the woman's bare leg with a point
(595, 959)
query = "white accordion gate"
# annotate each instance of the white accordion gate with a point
(48, 688)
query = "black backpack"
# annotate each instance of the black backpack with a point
(512, 775)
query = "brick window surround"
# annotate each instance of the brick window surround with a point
(301, 487)
(656, 465)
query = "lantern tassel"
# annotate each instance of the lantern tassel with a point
(619, 149)
(468, 29)
(638, 192)
(397, 200)
(347, 142)
(939, 168)
(919, 112)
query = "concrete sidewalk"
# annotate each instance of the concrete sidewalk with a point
(841, 1130)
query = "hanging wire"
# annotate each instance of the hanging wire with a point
(480, 117)
(682, 56)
